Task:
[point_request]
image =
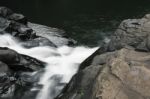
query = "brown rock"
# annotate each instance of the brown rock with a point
(119, 70)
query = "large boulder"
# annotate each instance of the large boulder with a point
(123, 75)
(117, 70)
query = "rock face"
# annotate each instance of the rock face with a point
(117, 70)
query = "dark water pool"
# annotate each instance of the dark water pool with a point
(87, 21)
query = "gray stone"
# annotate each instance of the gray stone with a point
(119, 70)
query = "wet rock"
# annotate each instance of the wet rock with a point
(40, 41)
(17, 62)
(3, 68)
(55, 35)
(8, 56)
(117, 70)
(124, 75)
(10, 83)
(4, 23)
(5, 12)
(131, 32)
(16, 25)
(29, 63)
(29, 87)
(20, 31)
(33, 35)
(80, 87)
(89, 60)
(13, 67)
(18, 18)
(20, 73)
(16, 78)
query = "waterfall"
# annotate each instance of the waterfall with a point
(62, 63)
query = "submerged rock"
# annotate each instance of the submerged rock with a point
(117, 70)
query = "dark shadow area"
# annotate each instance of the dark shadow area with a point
(53, 12)
(87, 21)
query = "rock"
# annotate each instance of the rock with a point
(16, 70)
(20, 31)
(18, 18)
(13, 67)
(3, 68)
(129, 33)
(16, 61)
(40, 41)
(56, 36)
(8, 56)
(81, 84)
(132, 32)
(16, 25)
(89, 60)
(28, 63)
(123, 75)
(5, 12)
(10, 84)
(117, 70)
(31, 34)
(4, 23)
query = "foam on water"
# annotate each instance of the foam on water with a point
(63, 63)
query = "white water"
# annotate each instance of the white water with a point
(63, 63)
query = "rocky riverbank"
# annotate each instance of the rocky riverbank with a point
(117, 70)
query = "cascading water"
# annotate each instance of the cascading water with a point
(62, 63)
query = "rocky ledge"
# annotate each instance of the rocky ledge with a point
(119, 69)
